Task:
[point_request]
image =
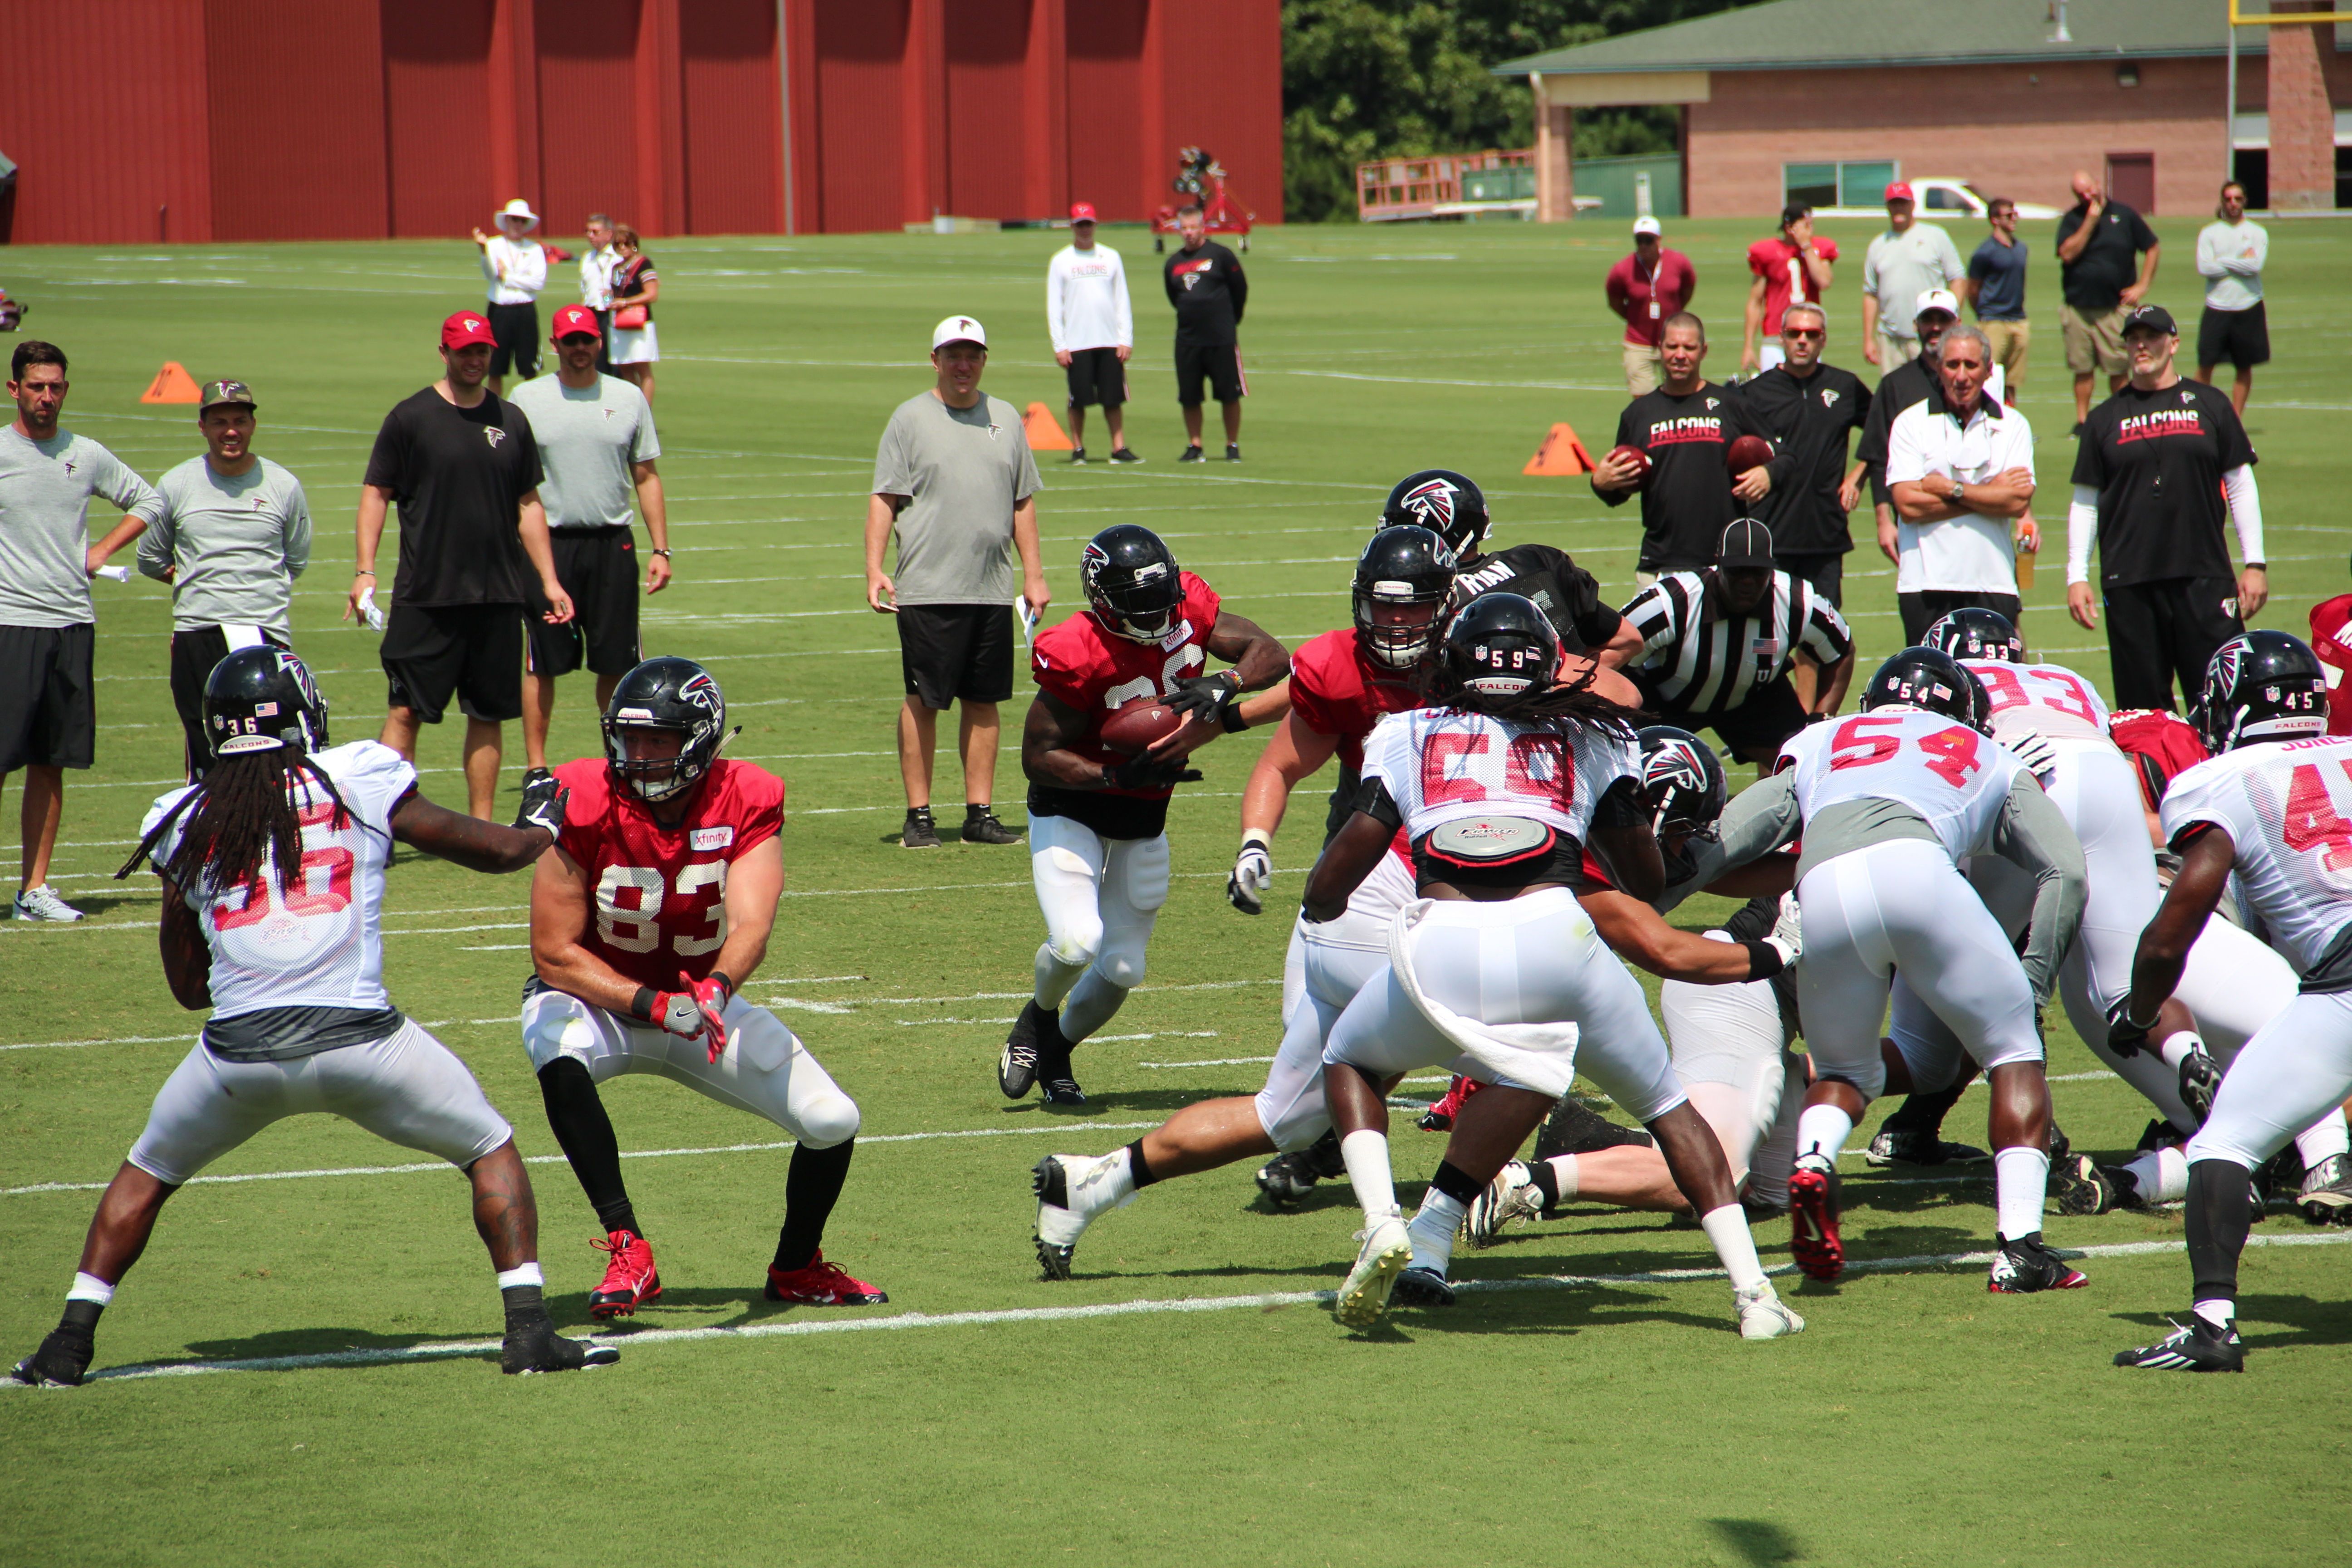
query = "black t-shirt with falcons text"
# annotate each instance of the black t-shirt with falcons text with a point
(458, 476)
(2157, 460)
(1688, 502)
(1565, 592)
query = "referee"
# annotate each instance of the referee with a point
(2150, 470)
(1719, 646)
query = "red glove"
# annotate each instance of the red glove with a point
(711, 996)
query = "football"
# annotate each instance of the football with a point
(1746, 453)
(1638, 457)
(1133, 728)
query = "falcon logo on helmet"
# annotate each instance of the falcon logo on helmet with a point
(1975, 632)
(1432, 503)
(1133, 586)
(2262, 685)
(1446, 503)
(673, 694)
(1682, 779)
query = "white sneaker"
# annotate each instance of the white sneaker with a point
(42, 903)
(1387, 1250)
(1763, 1315)
(1511, 1195)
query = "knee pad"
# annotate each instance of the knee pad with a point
(1121, 965)
(1147, 874)
(832, 1120)
(1074, 947)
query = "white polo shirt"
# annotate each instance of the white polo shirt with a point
(516, 270)
(1972, 553)
(596, 278)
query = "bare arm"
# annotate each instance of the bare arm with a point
(531, 526)
(2007, 494)
(1052, 728)
(881, 511)
(2138, 292)
(654, 510)
(1829, 691)
(1024, 544)
(375, 501)
(1295, 753)
(1256, 659)
(2196, 889)
(1820, 268)
(1627, 850)
(755, 880)
(1346, 861)
(1644, 939)
(467, 841)
(114, 539)
(2072, 247)
(187, 957)
(1624, 646)
(561, 906)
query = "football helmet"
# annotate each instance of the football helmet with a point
(1931, 679)
(664, 693)
(1682, 780)
(1405, 566)
(1976, 632)
(1445, 502)
(2261, 686)
(262, 698)
(1132, 583)
(1498, 649)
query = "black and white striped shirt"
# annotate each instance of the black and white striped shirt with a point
(1699, 662)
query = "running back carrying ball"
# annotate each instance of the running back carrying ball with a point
(1139, 726)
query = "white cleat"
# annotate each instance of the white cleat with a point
(1764, 1316)
(1072, 1189)
(1365, 1296)
(1511, 1195)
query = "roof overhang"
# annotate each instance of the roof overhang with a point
(1618, 89)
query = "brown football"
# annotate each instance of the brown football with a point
(1747, 452)
(1133, 728)
(1639, 458)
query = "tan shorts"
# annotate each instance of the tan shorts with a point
(2094, 343)
(2010, 340)
(1895, 352)
(1645, 368)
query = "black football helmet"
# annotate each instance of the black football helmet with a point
(1406, 567)
(262, 698)
(1499, 649)
(1682, 780)
(1131, 582)
(1931, 679)
(1976, 632)
(2261, 686)
(665, 694)
(1445, 503)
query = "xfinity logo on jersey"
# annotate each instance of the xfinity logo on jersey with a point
(1676, 432)
(712, 838)
(2164, 422)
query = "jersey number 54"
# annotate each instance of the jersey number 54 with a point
(1862, 743)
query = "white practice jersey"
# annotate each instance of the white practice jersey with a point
(316, 942)
(2288, 809)
(1444, 764)
(2049, 699)
(1955, 779)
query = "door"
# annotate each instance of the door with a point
(2131, 180)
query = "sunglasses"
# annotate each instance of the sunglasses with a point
(569, 340)
(1800, 331)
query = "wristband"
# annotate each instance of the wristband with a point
(726, 985)
(1764, 960)
(1231, 717)
(362, 572)
(642, 1005)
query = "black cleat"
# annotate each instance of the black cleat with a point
(2200, 1347)
(539, 1348)
(1574, 1128)
(2088, 1188)
(1051, 1183)
(1421, 1287)
(1055, 1080)
(2200, 1079)
(1287, 1180)
(1016, 1065)
(1192, 454)
(2129, 1196)
(1919, 1146)
(2060, 1147)
(981, 828)
(59, 1362)
(2025, 1265)
(2326, 1195)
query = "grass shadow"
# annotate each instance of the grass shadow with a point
(317, 1342)
(712, 1307)
(1757, 1541)
(2308, 1322)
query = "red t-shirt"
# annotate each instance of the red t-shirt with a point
(1786, 282)
(1093, 671)
(1336, 690)
(1646, 299)
(658, 889)
(2331, 639)
(2161, 746)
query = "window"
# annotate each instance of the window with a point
(1944, 199)
(1836, 185)
(1814, 184)
(1864, 185)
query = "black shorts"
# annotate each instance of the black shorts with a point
(1221, 364)
(474, 650)
(1097, 375)
(1759, 727)
(1825, 570)
(516, 327)
(2239, 337)
(1924, 609)
(48, 706)
(193, 654)
(598, 567)
(956, 651)
(2159, 630)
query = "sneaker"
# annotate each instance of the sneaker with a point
(2326, 1196)
(1077, 457)
(1763, 1315)
(1574, 1128)
(1385, 1252)
(1421, 1287)
(540, 1348)
(1070, 1193)
(2087, 1188)
(630, 1278)
(1121, 455)
(2200, 1347)
(2200, 1080)
(1511, 1195)
(42, 903)
(1232, 452)
(1439, 1118)
(1813, 1216)
(2025, 1266)
(920, 832)
(1016, 1065)
(1917, 1146)
(821, 1284)
(59, 1362)
(981, 828)
(1192, 454)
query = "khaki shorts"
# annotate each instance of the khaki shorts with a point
(2094, 343)
(1895, 352)
(2010, 340)
(1645, 368)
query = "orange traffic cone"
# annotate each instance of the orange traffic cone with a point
(173, 384)
(1561, 455)
(1044, 431)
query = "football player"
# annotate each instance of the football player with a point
(1098, 819)
(647, 916)
(273, 872)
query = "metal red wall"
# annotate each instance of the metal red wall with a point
(734, 116)
(587, 93)
(315, 64)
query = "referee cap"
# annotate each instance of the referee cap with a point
(2151, 318)
(958, 329)
(1747, 547)
(467, 327)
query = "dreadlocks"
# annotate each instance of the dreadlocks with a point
(1573, 699)
(242, 815)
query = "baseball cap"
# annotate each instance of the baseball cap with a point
(1900, 191)
(2152, 319)
(467, 327)
(1937, 299)
(1747, 546)
(574, 319)
(959, 330)
(1648, 226)
(225, 394)
(1082, 212)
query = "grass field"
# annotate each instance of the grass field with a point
(1581, 1401)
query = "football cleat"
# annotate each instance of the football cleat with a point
(2200, 1080)
(1813, 1216)
(1919, 1146)
(817, 1283)
(1232, 452)
(1439, 1118)
(1016, 1065)
(1056, 1084)
(2025, 1266)
(1574, 1128)
(1421, 1287)
(1287, 1180)
(1385, 1252)
(2200, 1347)
(539, 1348)
(59, 1362)
(1071, 1189)
(2326, 1196)
(2060, 1144)
(630, 1278)
(1121, 455)
(2129, 1196)
(1192, 454)
(1511, 1195)
(2087, 1188)
(1763, 1315)
(2160, 1134)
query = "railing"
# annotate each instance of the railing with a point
(1396, 188)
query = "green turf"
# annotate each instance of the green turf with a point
(1919, 1420)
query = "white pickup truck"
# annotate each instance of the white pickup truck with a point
(1942, 198)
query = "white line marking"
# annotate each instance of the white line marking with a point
(1212, 1062)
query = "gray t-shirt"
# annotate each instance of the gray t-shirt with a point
(238, 543)
(966, 470)
(588, 436)
(1899, 267)
(45, 491)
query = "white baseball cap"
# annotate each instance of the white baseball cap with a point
(959, 330)
(1937, 299)
(1647, 225)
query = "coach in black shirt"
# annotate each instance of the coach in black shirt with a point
(1809, 408)
(1206, 285)
(2150, 471)
(462, 465)
(1685, 427)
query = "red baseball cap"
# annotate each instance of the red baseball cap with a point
(1900, 191)
(574, 319)
(465, 328)
(1082, 212)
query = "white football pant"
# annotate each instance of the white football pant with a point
(2297, 1069)
(1730, 1050)
(1100, 898)
(1327, 964)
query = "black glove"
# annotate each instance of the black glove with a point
(1203, 697)
(1142, 773)
(2124, 1036)
(543, 801)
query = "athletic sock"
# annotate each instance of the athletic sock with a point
(1822, 1130)
(89, 1288)
(575, 1114)
(1139, 1173)
(2323, 1141)
(2021, 1179)
(1727, 1230)
(1366, 1153)
(2176, 1048)
(974, 813)
(812, 1185)
(79, 1320)
(2221, 1211)
(1432, 1230)
(2161, 1175)
(1555, 1178)
(526, 1307)
(2217, 1312)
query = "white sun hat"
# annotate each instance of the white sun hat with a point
(522, 209)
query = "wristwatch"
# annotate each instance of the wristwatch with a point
(663, 553)
(1958, 493)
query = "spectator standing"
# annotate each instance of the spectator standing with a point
(1793, 268)
(597, 446)
(2106, 262)
(1092, 324)
(1686, 427)
(2151, 471)
(596, 283)
(517, 271)
(48, 706)
(1809, 408)
(1960, 468)
(1995, 287)
(233, 534)
(1906, 261)
(955, 481)
(2230, 251)
(1645, 289)
(633, 347)
(1901, 387)
(1206, 285)
(462, 465)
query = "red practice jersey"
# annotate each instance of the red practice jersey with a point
(2331, 639)
(1336, 690)
(2161, 746)
(1786, 281)
(1097, 673)
(658, 889)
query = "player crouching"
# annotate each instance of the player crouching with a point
(647, 916)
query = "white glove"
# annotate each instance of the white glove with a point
(1788, 931)
(2033, 748)
(1252, 872)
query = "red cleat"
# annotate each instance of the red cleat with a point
(821, 1284)
(1813, 1219)
(629, 1279)
(1439, 1118)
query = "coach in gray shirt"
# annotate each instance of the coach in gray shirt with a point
(48, 707)
(234, 534)
(955, 481)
